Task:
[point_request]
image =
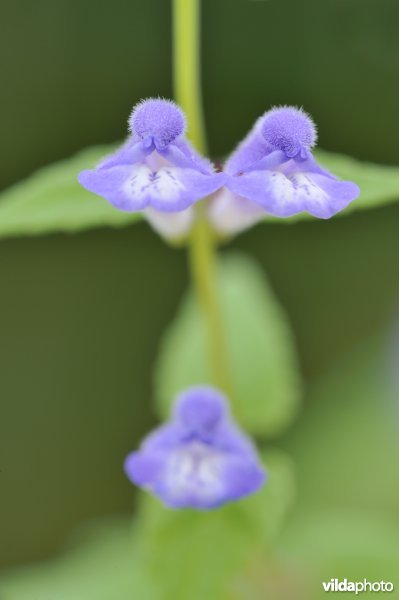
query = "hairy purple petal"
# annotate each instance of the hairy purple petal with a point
(273, 167)
(200, 458)
(156, 121)
(156, 169)
(249, 151)
(290, 130)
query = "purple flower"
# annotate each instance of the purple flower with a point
(273, 172)
(200, 458)
(156, 169)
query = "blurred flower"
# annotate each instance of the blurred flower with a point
(200, 458)
(156, 170)
(273, 172)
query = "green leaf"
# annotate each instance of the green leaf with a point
(319, 545)
(344, 543)
(100, 565)
(52, 200)
(345, 447)
(263, 365)
(196, 555)
(351, 419)
(379, 184)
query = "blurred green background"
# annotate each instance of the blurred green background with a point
(81, 315)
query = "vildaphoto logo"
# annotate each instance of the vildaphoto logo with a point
(335, 585)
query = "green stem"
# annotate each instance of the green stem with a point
(187, 71)
(203, 264)
(203, 258)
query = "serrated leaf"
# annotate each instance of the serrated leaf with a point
(261, 354)
(51, 200)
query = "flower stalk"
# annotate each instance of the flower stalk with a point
(187, 67)
(202, 244)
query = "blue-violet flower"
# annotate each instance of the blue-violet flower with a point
(200, 458)
(274, 172)
(156, 170)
